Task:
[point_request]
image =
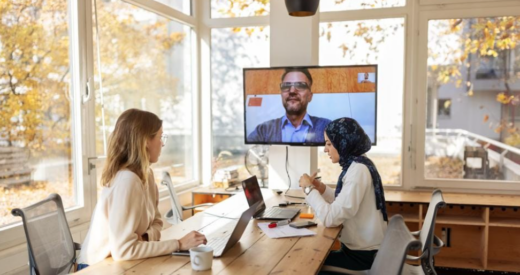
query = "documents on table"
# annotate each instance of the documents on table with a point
(284, 231)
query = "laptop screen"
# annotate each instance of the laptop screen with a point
(253, 193)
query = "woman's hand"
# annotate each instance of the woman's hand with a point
(306, 180)
(192, 239)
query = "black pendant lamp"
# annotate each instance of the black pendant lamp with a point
(302, 7)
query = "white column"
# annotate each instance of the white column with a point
(294, 42)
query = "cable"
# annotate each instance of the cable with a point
(286, 170)
(219, 216)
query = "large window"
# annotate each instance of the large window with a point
(36, 141)
(233, 49)
(146, 63)
(341, 5)
(239, 8)
(475, 63)
(378, 42)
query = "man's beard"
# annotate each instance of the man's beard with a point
(293, 110)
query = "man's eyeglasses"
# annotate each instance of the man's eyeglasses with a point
(299, 86)
(164, 138)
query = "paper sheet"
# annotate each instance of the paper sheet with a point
(284, 231)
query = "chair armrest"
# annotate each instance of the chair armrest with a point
(415, 258)
(195, 206)
(438, 244)
(77, 246)
(343, 270)
(415, 233)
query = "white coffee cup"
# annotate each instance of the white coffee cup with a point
(201, 258)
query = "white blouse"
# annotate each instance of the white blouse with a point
(355, 208)
(124, 213)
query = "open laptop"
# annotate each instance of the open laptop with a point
(223, 240)
(254, 197)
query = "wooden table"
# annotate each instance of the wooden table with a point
(254, 254)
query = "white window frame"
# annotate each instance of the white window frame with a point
(407, 13)
(13, 235)
(445, 11)
(190, 21)
(206, 24)
(82, 72)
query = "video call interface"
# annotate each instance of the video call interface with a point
(293, 105)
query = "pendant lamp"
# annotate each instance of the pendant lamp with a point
(302, 7)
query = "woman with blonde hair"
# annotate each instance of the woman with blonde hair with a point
(126, 223)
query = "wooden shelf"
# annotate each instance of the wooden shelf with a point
(458, 262)
(503, 265)
(408, 217)
(504, 222)
(460, 220)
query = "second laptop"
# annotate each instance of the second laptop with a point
(254, 195)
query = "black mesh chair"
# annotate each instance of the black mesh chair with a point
(391, 255)
(431, 244)
(49, 242)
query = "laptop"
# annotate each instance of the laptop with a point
(254, 197)
(222, 241)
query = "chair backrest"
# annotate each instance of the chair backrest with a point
(427, 232)
(50, 244)
(428, 228)
(174, 216)
(397, 242)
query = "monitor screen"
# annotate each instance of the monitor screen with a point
(293, 105)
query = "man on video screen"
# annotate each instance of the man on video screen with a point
(296, 126)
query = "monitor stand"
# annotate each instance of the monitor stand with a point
(301, 160)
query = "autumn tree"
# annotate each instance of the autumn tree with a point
(35, 96)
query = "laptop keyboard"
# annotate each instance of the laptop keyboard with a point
(218, 243)
(273, 211)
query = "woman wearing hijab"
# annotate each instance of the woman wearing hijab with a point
(358, 203)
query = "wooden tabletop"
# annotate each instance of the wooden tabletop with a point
(255, 253)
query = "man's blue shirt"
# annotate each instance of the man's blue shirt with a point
(271, 131)
(295, 134)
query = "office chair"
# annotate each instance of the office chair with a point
(431, 244)
(391, 255)
(49, 242)
(174, 216)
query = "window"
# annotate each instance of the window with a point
(36, 140)
(239, 8)
(180, 5)
(371, 42)
(233, 49)
(481, 119)
(341, 5)
(153, 75)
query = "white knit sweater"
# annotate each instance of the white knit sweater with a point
(124, 213)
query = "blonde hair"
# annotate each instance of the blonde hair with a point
(127, 145)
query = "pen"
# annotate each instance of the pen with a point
(278, 223)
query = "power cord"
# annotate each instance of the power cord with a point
(287, 170)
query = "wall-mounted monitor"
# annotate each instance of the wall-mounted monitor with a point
(293, 105)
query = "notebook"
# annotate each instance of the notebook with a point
(254, 197)
(222, 241)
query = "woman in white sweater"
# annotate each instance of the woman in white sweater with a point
(358, 203)
(126, 223)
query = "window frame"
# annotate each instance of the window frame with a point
(407, 13)
(439, 12)
(14, 234)
(206, 24)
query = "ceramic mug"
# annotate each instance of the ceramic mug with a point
(201, 258)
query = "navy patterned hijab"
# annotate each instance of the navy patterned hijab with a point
(351, 142)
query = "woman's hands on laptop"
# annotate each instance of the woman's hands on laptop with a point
(192, 239)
